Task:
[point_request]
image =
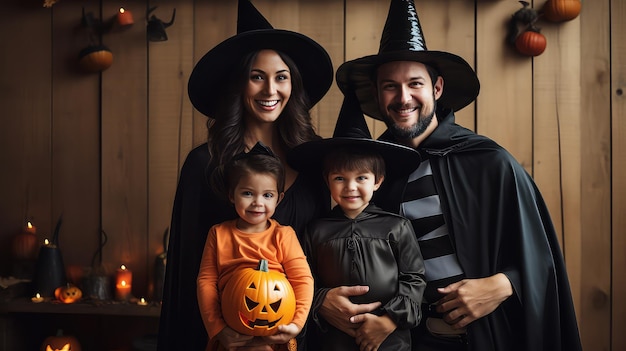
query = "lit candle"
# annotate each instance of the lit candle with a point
(37, 298)
(30, 228)
(124, 282)
(124, 17)
(142, 302)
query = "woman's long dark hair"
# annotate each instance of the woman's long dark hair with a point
(227, 130)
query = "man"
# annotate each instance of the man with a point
(495, 275)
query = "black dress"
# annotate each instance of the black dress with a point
(196, 208)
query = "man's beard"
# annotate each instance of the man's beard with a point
(423, 121)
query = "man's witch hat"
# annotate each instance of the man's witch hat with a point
(402, 40)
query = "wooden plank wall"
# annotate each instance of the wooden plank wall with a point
(103, 151)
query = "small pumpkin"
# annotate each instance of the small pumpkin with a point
(69, 293)
(95, 58)
(256, 301)
(60, 342)
(531, 42)
(561, 10)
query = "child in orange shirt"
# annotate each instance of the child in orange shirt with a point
(254, 182)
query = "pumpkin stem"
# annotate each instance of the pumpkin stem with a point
(263, 266)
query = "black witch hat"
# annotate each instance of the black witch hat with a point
(254, 33)
(402, 40)
(351, 131)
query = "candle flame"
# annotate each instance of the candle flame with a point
(122, 10)
(143, 300)
(123, 283)
(37, 295)
(122, 267)
(29, 225)
(46, 242)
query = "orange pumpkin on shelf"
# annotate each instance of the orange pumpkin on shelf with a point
(561, 10)
(24, 245)
(256, 301)
(68, 293)
(531, 43)
(60, 342)
(95, 58)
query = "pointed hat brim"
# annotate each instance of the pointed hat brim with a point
(351, 131)
(461, 85)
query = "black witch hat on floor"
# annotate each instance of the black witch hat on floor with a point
(255, 33)
(403, 40)
(351, 131)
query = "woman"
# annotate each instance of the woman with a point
(240, 86)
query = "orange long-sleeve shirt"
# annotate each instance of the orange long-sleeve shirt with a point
(228, 249)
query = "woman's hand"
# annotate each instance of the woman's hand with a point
(337, 307)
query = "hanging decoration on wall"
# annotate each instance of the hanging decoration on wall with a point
(95, 58)
(523, 34)
(531, 42)
(561, 10)
(124, 17)
(48, 3)
(156, 27)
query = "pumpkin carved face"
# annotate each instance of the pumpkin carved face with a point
(68, 294)
(60, 342)
(256, 301)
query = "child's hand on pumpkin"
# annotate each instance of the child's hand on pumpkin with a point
(285, 333)
(229, 338)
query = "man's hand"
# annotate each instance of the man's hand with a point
(470, 299)
(337, 307)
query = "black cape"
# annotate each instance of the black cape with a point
(499, 223)
(196, 208)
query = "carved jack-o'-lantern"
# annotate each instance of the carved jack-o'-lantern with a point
(60, 342)
(256, 301)
(68, 294)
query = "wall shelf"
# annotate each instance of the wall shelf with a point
(104, 308)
